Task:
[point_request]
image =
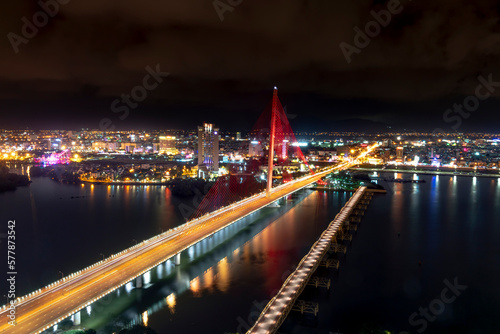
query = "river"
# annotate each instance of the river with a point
(414, 242)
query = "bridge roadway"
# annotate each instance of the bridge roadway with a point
(277, 309)
(48, 306)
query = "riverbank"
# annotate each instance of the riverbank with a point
(10, 181)
(425, 172)
(126, 183)
(320, 188)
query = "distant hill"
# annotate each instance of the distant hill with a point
(345, 125)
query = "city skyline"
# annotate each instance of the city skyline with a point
(258, 167)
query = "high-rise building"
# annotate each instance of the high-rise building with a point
(399, 154)
(129, 147)
(208, 148)
(255, 149)
(168, 145)
(387, 155)
(283, 147)
(387, 142)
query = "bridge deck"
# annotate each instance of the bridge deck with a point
(46, 307)
(278, 308)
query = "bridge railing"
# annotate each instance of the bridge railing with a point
(190, 223)
(277, 317)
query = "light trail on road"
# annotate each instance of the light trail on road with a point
(45, 308)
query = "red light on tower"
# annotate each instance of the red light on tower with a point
(271, 141)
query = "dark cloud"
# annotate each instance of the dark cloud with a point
(92, 51)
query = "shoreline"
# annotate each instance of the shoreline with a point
(423, 172)
(124, 183)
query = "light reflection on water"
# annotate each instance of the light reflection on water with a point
(450, 223)
(203, 274)
(449, 229)
(171, 302)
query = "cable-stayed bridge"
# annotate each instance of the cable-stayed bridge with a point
(46, 307)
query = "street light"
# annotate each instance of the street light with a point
(62, 274)
(135, 241)
(102, 255)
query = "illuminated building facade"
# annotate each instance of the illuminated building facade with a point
(168, 145)
(282, 150)
(208, 149)
(103, 146)
(255, 149)
(129, 147)
(399, 154)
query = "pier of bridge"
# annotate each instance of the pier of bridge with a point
(47, 306)
(286, 300)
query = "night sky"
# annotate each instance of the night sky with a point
(427, 58)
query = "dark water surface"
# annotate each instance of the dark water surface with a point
(451, 226)
(215, 289)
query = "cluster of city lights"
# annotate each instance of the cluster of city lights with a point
(55, 158)
(152, 242)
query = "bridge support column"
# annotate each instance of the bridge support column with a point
(159, 271)
(167, 267)
(271, 143)
(191, 253)
(138, 282)
(177, 259)
(77, 319)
